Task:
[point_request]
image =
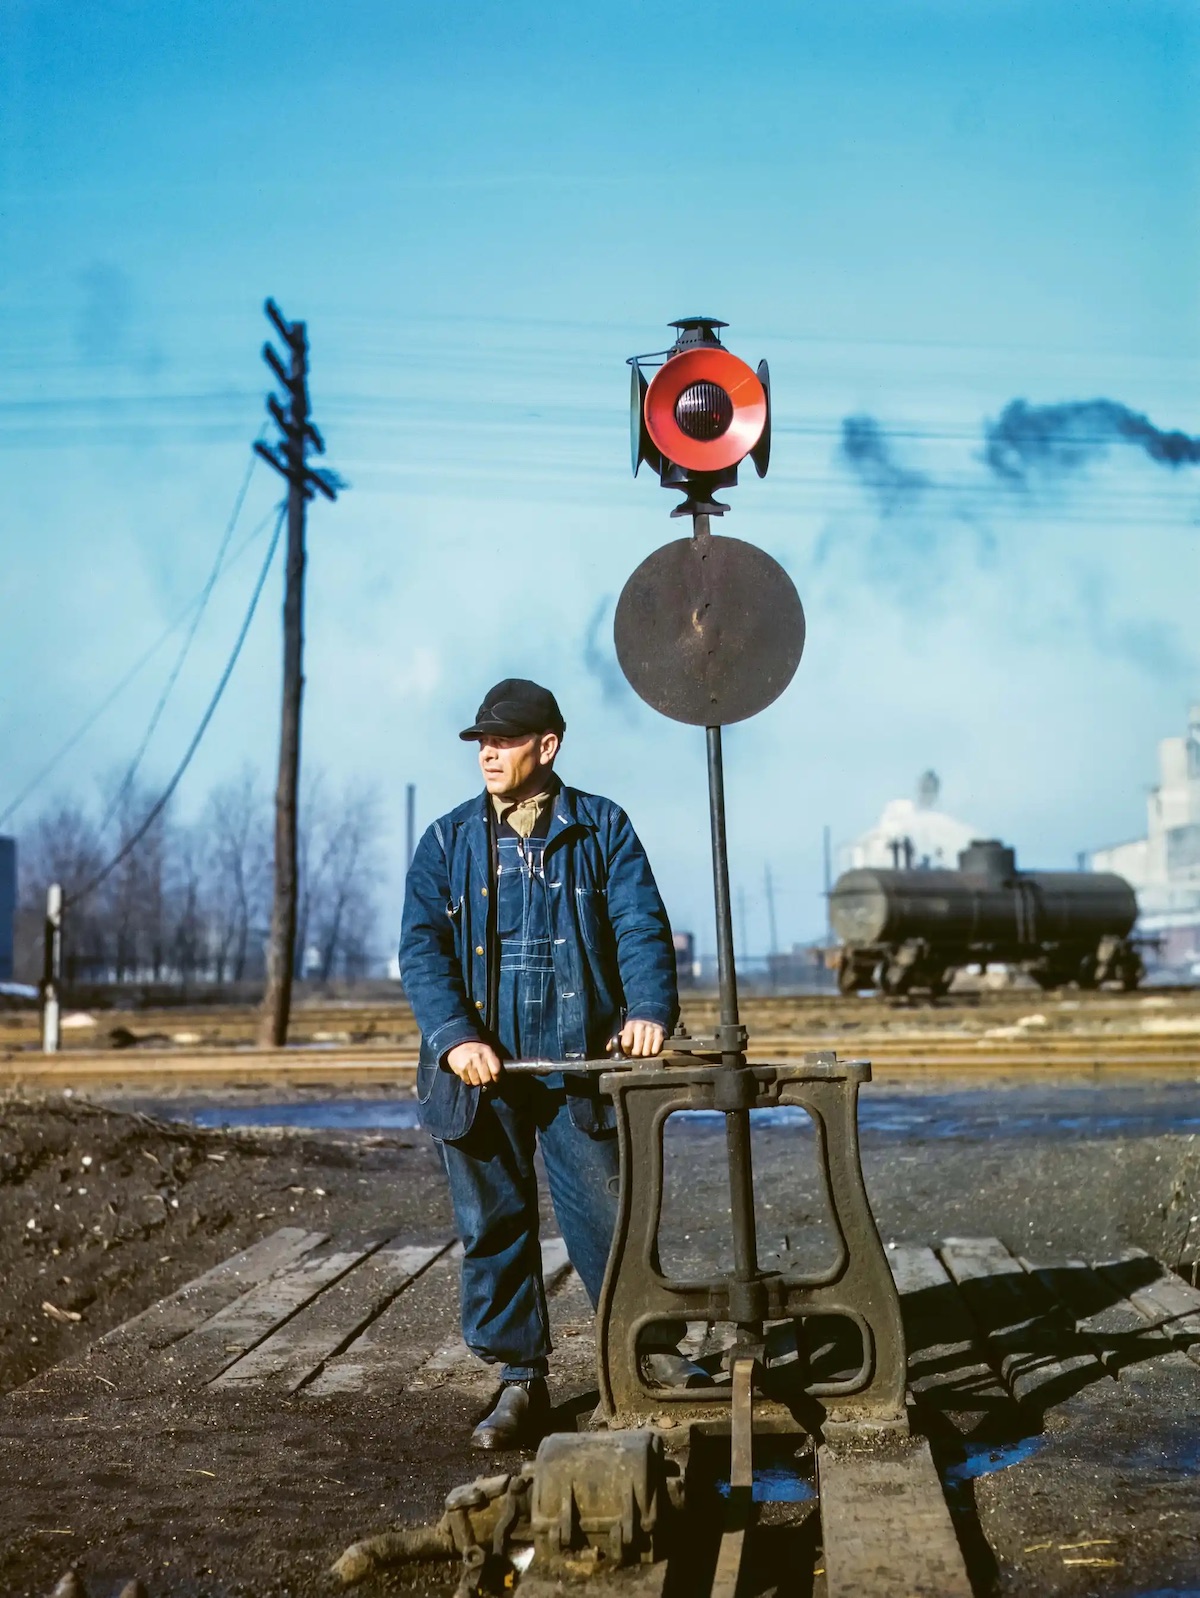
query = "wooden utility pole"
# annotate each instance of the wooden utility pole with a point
(289, 457)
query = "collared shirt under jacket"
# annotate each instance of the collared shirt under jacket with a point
(611, 942)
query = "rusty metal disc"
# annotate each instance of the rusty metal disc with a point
(709, 630)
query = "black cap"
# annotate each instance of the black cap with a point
(516, 707)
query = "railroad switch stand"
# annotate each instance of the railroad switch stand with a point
(857, 1286)
(709, 630)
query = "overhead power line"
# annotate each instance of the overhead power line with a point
(119, 688)
(185, 649)
(164, 798)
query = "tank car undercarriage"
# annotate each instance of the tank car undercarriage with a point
(917, 966)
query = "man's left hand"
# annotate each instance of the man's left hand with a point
(639, 1040)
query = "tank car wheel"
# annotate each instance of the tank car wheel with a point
(847, 976)
(1130, 969)
(1086, 976)
(894, 980)
(939, 984)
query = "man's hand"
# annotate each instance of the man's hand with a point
(478, 1063)
(639, 1040)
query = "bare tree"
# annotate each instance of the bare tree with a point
(237, 826)
(135, 897)
(189, 951)
(339, 870)
(60, 845)
(191, 902)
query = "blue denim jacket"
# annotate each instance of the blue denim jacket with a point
(613, 955)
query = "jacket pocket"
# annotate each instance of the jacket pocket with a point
(591, 914)
(446, 1106)
(427, 1075)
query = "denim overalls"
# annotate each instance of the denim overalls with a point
(492, 1181)
(527, 1001)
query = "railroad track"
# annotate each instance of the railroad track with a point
(767, 1016)
(987, 1033)
(383, 1066)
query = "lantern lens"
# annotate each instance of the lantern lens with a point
(704, 411)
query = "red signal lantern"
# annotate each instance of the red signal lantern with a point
(703, 412)
(705, 409)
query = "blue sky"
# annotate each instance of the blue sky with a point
(916, 211)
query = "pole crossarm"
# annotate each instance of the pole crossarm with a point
(267, 451)
(290, 332)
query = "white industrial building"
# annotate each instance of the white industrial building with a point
(1163, 868)
(911, 834)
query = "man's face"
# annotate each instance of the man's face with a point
(515, 768)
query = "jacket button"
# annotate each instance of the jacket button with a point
(479, 1004)
(479, 948)
(483, 891)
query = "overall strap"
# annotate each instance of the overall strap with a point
(492, 934)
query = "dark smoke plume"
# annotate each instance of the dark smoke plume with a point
(1062, 438)
(602, 664)
(865, 450)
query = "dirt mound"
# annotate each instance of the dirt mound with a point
(102, 1212)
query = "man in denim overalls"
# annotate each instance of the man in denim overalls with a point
(533, 929)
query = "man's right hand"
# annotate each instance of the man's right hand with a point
(475, 1063)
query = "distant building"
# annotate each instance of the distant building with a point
(803, 969)
(911, 835)
(687, 966)
(1163, 868)
(8, 906)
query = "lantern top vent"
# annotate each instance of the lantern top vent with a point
(698, 330)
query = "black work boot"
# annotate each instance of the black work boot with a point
(519, 1417)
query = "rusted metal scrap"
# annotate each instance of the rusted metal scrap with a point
(589, 1502)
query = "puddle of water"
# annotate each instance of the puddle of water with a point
(330, 1115)
(984, 1459)
(882, 1117)
(776, 1484)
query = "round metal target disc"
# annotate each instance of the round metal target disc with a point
(709, 630)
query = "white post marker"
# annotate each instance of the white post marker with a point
(51, 1000)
